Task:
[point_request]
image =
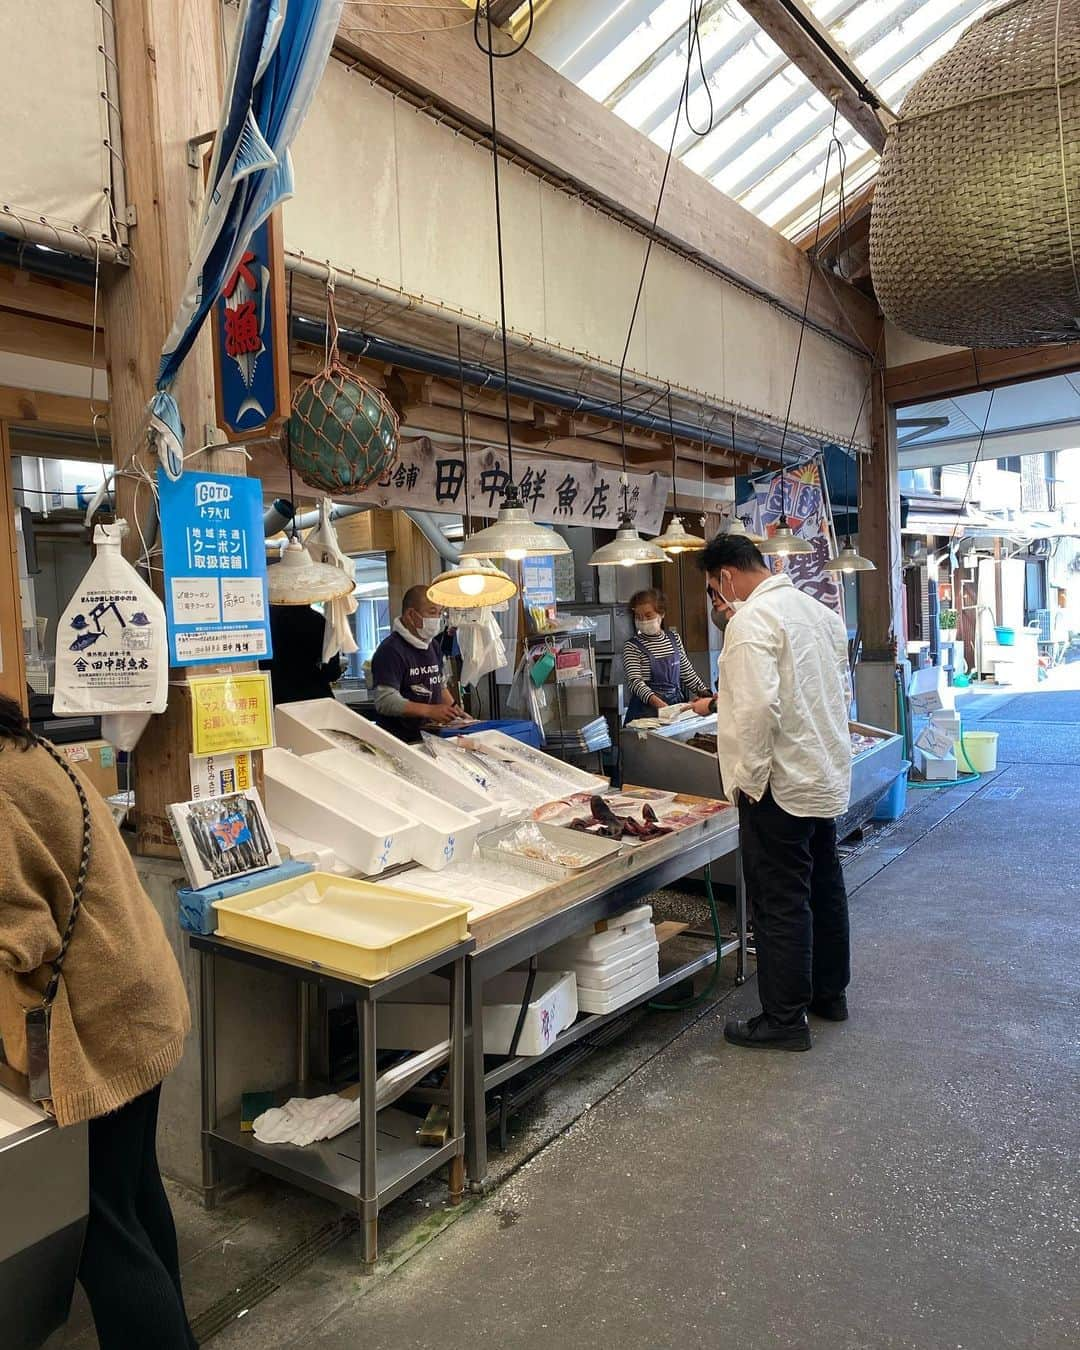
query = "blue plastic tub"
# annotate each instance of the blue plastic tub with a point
(891, 806)
(1006, 637)
(519, 728)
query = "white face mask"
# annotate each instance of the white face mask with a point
(733, 605)
(649, 627)
(431, 627)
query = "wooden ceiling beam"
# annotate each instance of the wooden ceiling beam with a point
(810, 46)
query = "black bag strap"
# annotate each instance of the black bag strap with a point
(80, 881)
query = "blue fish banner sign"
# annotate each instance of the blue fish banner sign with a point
(251, 347)
(215, 568)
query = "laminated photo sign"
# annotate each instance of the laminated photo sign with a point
(111, 655)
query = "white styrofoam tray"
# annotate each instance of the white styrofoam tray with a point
(623, 971)
(314, 804)
(443, 832)
(415, 1017)
(302, 727)
(616, 940)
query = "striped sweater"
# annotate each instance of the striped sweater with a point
(637, 665)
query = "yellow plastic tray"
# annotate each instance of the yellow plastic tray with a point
(391, 929)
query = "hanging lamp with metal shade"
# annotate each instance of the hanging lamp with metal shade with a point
(676, 538)
(299, 580)
(737, 530)
(628, 549)
(848, 560)
(476, 584)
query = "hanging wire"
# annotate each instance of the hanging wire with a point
(974, 467)
(682, 107)
(288, 422)
(488, 48)
(464, 432)
(813, 264)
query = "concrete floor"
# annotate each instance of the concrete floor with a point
(912, 1182)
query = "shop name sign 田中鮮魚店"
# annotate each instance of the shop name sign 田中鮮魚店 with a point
(431, 477)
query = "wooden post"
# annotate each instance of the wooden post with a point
(879, 591)
(169, 58)
(12, 663)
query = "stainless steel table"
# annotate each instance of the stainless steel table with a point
(44, 1197)
(615, 888)
(378, 1159)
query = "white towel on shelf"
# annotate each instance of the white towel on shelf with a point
(306, 1120)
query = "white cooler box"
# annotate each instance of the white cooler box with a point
(416, 1018)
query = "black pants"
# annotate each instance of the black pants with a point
(795, 886)
(130, 1267)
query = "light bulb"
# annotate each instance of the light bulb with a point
(470, 585)
(515, 554)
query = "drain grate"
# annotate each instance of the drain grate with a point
(266, 1281)
(1000, 794)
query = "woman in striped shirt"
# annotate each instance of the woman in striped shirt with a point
(658, 671)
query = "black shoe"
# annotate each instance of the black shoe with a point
(760, 1033)
(830, 1009)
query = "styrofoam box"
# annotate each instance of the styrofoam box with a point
(314, 804)
(416, 1017)
(301, 727)
(573, 778)
(605, 1001)
(935, 768)
(443, 832)
(626, 933)
(627, 970)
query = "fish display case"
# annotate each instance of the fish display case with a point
(682, 758)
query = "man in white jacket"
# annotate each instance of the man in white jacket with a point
(785, 760)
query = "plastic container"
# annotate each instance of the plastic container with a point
(1006, 637)
(606, 1001)
(302, 728)
(197, 907)
(416, 1017)
(520, 730)
(442, 832)
(977, 752)
(318, 806)
(589, 846)
(381, 931)
(626, 970)
(891, 806)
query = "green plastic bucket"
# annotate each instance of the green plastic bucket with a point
(977, 753)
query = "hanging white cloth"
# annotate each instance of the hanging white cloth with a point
(322, 543)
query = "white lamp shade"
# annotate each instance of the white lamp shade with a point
(784, 543)
(514, 535)
(299, 580)
(676, 539)
(736, 527)
(628, 549)
(474, 585)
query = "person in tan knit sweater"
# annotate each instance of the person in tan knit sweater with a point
(117, 1028)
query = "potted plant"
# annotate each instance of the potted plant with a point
(947, 622)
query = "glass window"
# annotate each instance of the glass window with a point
(372, 621)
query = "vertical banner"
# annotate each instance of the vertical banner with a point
(214, 548)
(251, 345)
(804, 503)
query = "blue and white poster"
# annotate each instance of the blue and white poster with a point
(215, 568)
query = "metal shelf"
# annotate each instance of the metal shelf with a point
(593, 1021)
(332, 1168)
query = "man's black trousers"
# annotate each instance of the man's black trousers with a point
(795, 886)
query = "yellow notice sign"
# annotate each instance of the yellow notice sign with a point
(230, 713)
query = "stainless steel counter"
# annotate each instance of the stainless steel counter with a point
(661, 758)
(45, 1190)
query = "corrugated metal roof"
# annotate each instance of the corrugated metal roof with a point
(770, 127)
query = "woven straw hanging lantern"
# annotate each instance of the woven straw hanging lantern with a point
(975, 231)
(343, 432)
